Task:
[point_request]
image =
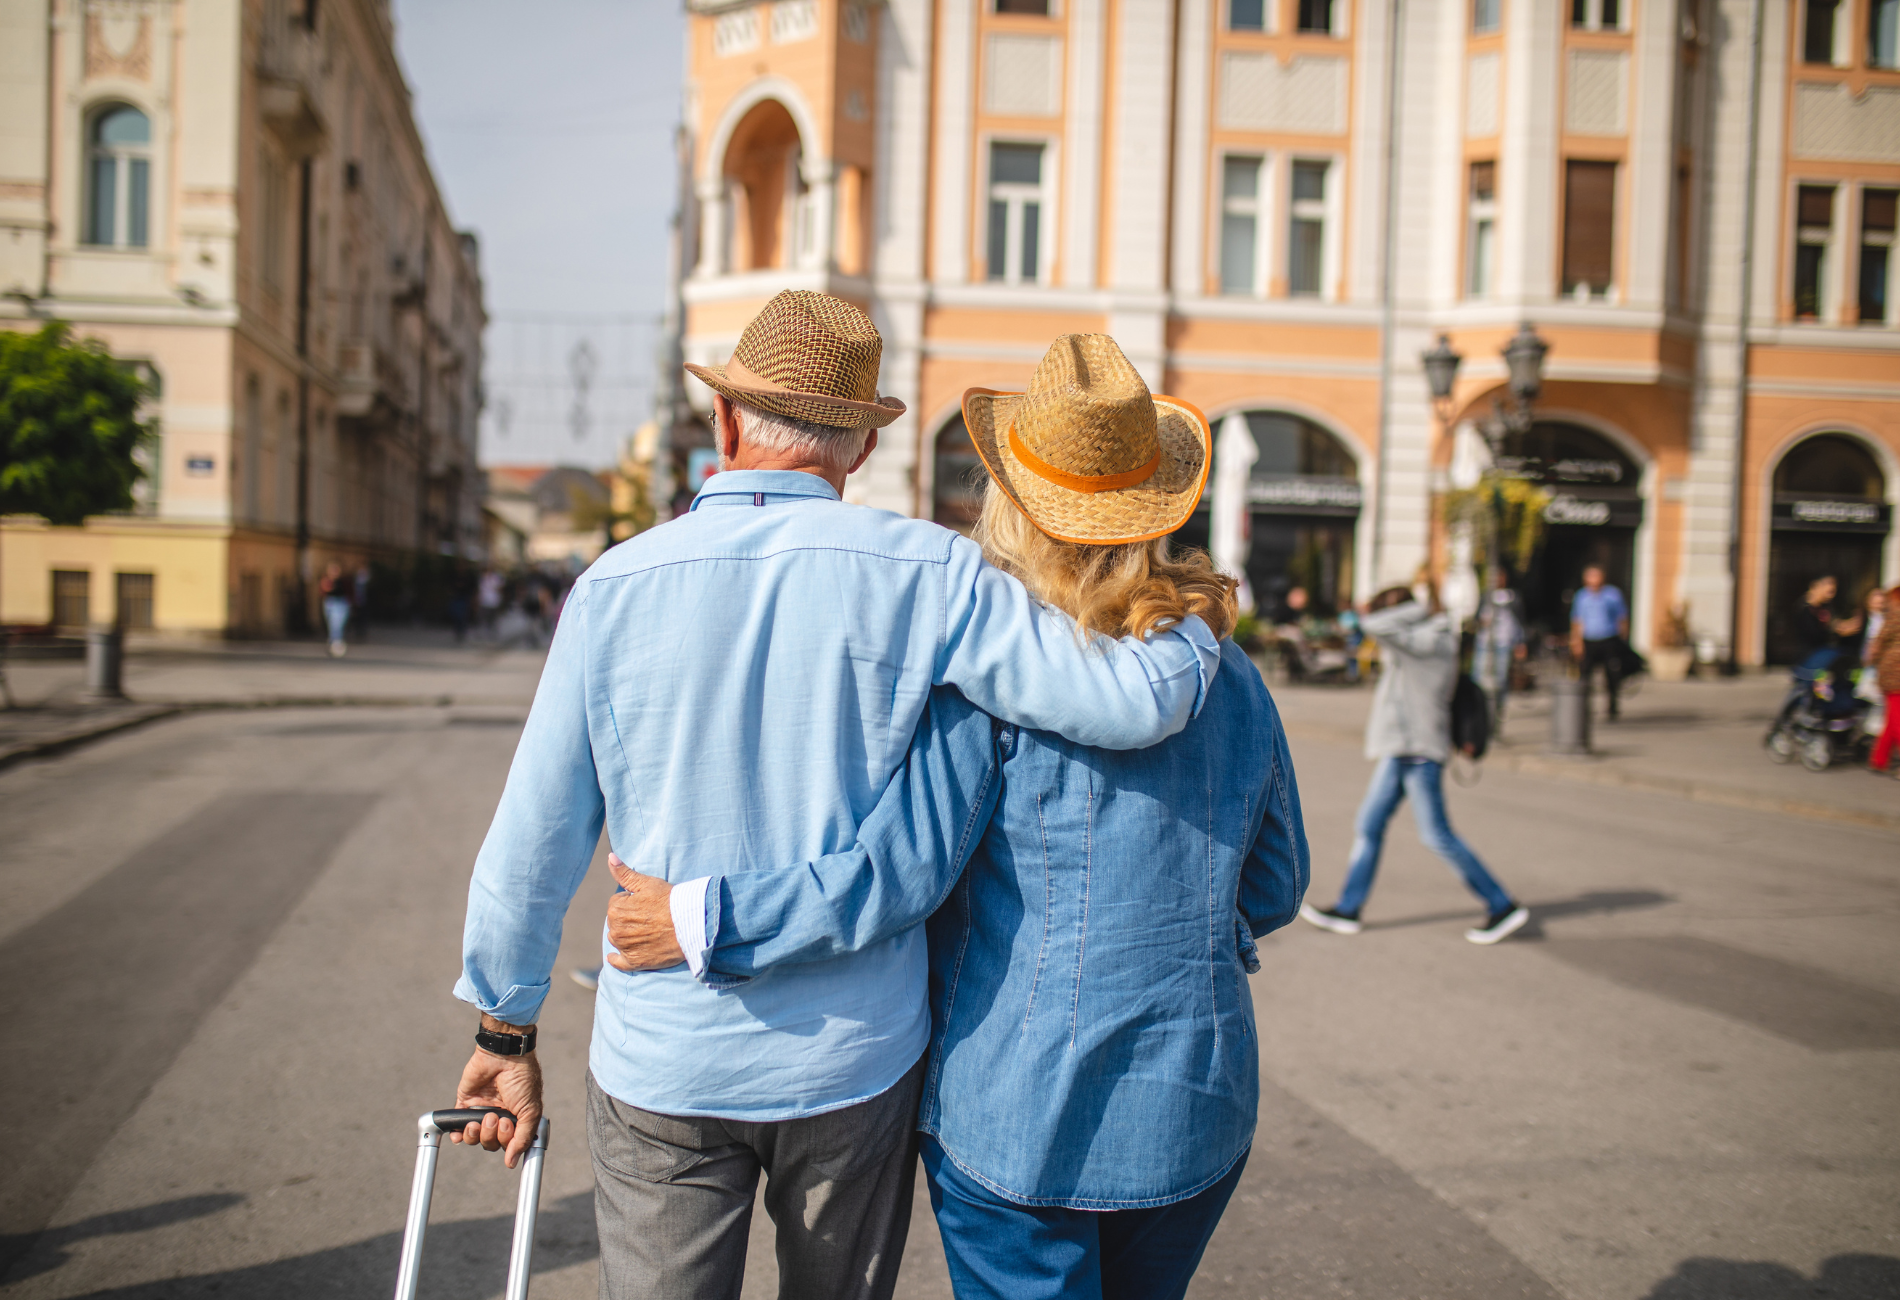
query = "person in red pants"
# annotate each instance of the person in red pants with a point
(1885, 660)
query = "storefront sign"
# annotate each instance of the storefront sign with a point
(1822, 514)
(1306, 494)
(200, 466)
(1570, 509)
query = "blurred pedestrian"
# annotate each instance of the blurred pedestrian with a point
(1409, 736)
(488, 600)
(461, 602)
(1500, 642)
(1599, 628)
(1819, 636)
(336, 607)
(1885, 660)
(359, 602)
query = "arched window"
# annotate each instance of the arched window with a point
(958, 478)
(1831, 464)
(770, 221)
(118, 177)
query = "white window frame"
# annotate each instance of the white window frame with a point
(1867, 23)
(1015, 194)
(1261, 205)
(1325, 209)
(122, 157)
(1339, 16)
(1827, 290)
(1480, 210)
(1497, 20)
(1269, 18)
(1594, 20)
(1887, 238)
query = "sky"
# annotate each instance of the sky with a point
(550, 127)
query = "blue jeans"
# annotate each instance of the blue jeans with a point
(1424, 780)
(336, 612)
(999, 1250)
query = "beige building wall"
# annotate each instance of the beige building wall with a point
(311, 317)
(1140, 107)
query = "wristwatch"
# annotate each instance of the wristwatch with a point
(504, 1044)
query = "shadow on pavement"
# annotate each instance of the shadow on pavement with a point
(49, 1250)
(1844, 1277)
(464, 1258)
(1601, 900)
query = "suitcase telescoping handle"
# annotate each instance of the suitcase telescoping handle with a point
(430, 1127)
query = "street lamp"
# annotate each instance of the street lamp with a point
(1524, 358)
(1441, 372)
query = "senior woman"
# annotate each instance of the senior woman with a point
(1092, 1075)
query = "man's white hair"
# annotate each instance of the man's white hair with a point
(820, 444)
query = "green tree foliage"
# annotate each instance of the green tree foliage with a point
(1509, 511)
(69, 426)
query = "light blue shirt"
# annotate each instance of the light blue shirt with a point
(1599, 612)
(738, 686)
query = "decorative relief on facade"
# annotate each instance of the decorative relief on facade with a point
(119, 39)
(736, 32)
(854, 106)
(1022, 76)
(857, 24)
(1596, 100)
(1308, 95)
(1830, 123)
(1481, 96)
(794, 20)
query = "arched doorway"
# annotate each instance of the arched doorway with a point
(956, 493)
(1596, 506)
(1829, 516)
(769, 222)
(1304, 498)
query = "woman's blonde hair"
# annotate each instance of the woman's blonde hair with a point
(1125, 589)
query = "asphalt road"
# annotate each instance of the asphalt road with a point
(227, 942)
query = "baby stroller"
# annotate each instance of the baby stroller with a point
(1823, 720)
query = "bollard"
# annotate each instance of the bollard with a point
(1570, 716)
(105, 655)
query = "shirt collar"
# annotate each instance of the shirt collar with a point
(748, 483)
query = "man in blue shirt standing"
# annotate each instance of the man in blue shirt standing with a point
(1599, 628)
(739, 685)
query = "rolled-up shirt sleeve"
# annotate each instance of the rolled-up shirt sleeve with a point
(540, 843)
(1024, 662)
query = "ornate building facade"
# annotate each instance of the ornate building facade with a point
(232, 195)
(1276, 206)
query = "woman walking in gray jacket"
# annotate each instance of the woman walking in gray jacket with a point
(1409, 736)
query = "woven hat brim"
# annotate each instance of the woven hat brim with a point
(1133, 514)
(813, 408)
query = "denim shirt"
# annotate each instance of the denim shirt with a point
(739, 685)
(1092, 1039)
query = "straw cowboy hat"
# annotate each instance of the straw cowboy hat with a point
(1087, 453)
(811, 357)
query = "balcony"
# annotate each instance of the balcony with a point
(369, 385)
(289, 83)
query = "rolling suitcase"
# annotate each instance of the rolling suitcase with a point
(431, 1126)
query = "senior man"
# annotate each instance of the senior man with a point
(739, 685)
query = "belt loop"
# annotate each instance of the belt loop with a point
(758, 498)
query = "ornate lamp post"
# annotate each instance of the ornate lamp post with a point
(1441, 372)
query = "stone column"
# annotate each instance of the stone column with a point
(821, 192)
(713, 208)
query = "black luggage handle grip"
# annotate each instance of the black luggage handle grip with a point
(455, 1121)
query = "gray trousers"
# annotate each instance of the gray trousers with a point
(673, 1197)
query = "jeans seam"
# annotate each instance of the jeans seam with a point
(1082, 922)
(1042, 944)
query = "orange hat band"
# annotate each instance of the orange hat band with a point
(1081, 482)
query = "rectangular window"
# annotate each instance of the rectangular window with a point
(1037, 7)
(135, 208)
(1817, 31)
(1814, 229)
(1589, 226)
(1306, 233)
(1596, 15)
(1316, 16)
(1481, 247)
(1877, 211)
(1246, 15)
(1016, 203)
(1239, 224)
(134, 600)
(1484, 15)
(104, 200)
(1883, 34)
(72, 604)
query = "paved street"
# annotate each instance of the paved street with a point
(229, 938)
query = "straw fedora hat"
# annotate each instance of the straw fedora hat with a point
(811, 357)
(1087, 453)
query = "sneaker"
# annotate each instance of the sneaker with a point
(1500, 925)
(1329, 918)
(588, 977)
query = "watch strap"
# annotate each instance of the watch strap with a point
(504, 1044)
